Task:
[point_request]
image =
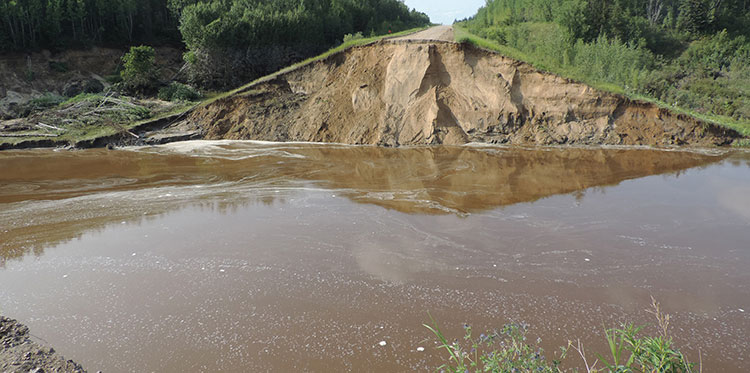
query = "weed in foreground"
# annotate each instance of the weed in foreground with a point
(505, 350)
(508, 350)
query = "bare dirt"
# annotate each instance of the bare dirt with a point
(420, 90)
(443, 33)
(18, 353)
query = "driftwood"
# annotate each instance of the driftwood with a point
(40, 124)
(124, 130)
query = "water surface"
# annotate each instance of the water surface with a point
(227, 256)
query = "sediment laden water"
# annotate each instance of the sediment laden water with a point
(249, 256)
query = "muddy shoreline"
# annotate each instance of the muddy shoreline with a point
(18, 353)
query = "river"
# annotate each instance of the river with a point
(248, 256)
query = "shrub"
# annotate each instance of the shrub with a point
(58, 66)
(113, 79)
(611, 60)
(508, 350)
(139, 72)
(45, 101)
(505, 350)
(350, 37)
(179, 92)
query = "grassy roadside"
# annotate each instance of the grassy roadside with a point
(464, 36)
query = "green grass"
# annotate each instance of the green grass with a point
(464, 36)
(509, 350)
(82, 97)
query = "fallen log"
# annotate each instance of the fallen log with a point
(40, 124)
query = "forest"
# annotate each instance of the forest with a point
(228, 41)
(689, 54)
(60, 24)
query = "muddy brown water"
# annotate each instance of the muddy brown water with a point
(243, 256)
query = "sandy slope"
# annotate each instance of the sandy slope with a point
(414, 91)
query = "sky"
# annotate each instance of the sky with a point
(445, 11)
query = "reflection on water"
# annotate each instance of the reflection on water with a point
(84, 190)
(252, 256)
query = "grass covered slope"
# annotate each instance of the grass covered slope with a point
(698, 64)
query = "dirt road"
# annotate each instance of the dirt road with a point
(444, 33)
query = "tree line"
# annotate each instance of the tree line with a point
(58, 24)
(653, 23)
(228, 41)
(231, 41)
(694, 54)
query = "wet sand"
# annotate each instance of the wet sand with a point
(249, 256)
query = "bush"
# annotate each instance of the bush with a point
(46, 101)
(76, 87)
(113, 79)
(58, 66)
(508, 350)
(505, 350)
(350, 37)
(611, 61)
(179, 92)
(139, 72)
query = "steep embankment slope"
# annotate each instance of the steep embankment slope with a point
(412, 92)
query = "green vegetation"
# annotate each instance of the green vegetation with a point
(45, 101)
(508, 350)
(693, 55)
(139, 72)
(350, 37)
(88, 116)
(229, 42)
(179, 92)
(57, 24)
(232, 42)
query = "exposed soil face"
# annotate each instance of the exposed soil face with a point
(415, 92)
(20, 354)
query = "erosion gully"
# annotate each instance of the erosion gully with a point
(247, 256)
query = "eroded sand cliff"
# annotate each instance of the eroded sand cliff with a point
(432, 92)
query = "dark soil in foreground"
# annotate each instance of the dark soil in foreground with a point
(18, 353)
